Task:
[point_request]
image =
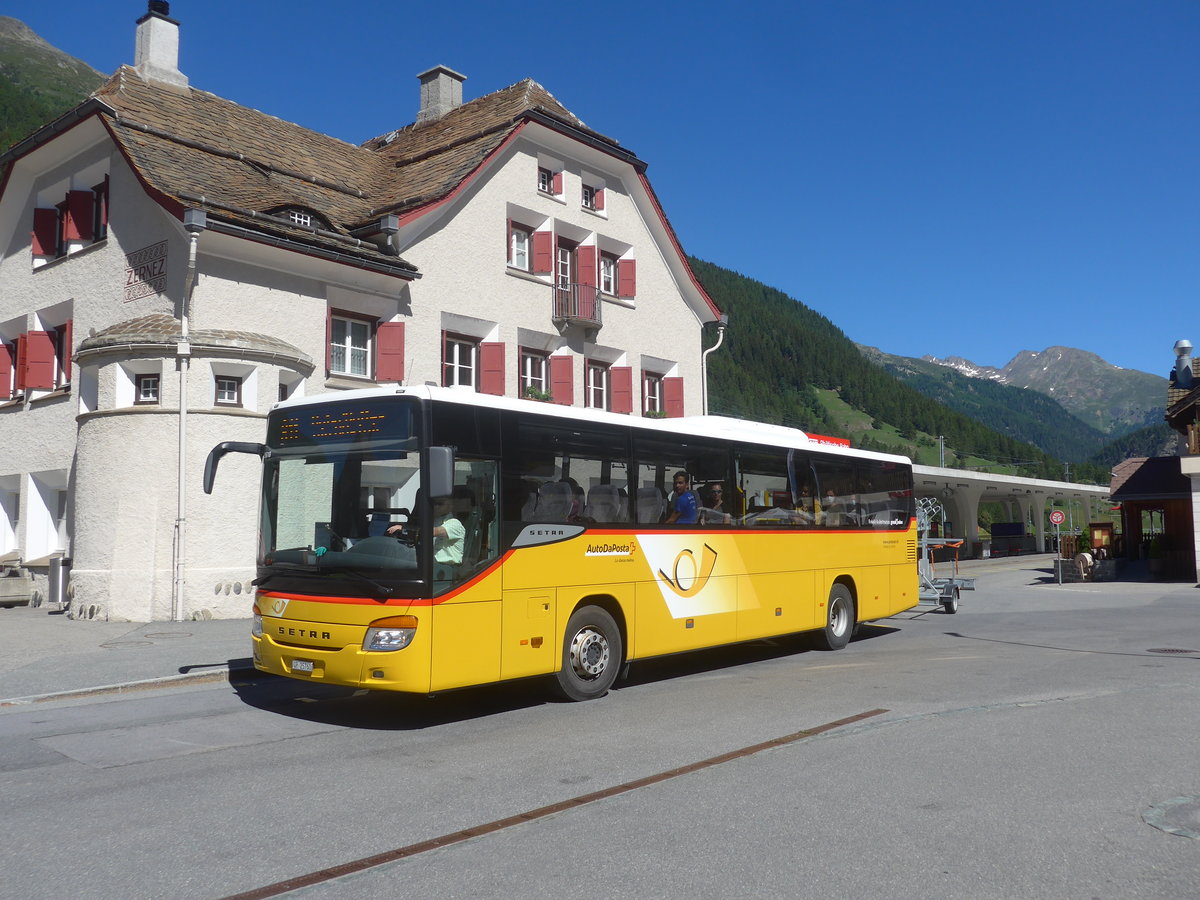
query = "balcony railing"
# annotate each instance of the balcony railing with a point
(577, 304)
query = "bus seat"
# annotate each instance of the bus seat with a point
(555, 499)
(603, 503)
(650, 504)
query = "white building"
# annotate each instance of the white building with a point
(175, 263)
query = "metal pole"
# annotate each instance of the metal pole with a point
(195, 222)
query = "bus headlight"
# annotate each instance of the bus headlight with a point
(394, 633)
(256, 623)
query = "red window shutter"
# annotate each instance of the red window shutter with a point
(621, 379)
(40, 359)
(78, 226)
(7, 370)
(557, 182)
(389, 351)
(65, 351)
(543, 252)
(586, 260)
(45, 232)
(599, 198)
(673, 396)
(491, 364)
(626, 278)
(22, 353)
(562, 380)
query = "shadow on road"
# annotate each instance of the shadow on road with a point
(385, 711)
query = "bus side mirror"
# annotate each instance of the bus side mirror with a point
(441, 472)
(215, 454)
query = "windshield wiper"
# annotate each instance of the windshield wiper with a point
(326, 570)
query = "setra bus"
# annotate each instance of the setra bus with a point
(424, 539)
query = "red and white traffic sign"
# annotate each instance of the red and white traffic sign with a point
(1058, 517)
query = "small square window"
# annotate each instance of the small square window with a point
(229, 391)
(146, 390)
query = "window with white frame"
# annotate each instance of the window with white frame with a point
(228, 390)
(652, 393)
(520, 243)
(608, 274)
(350, 346)
(535, 372)
(589, 197)
(460, 361)
(145, 389)
(545, 180)
(597, 392)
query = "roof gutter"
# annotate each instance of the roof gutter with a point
(63, 123)
(406, 271)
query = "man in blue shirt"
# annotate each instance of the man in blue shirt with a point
(684, 509)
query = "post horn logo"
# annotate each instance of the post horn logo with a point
(698, 575)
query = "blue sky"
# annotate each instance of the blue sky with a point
(971, 177)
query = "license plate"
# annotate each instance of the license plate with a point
(302, 665)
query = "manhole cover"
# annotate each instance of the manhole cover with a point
(1170, 650)
(1179, 816)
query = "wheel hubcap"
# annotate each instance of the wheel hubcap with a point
(589, 653)
(838, 617)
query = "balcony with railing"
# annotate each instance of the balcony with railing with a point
(577, 304)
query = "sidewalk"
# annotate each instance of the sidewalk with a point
(43, 652)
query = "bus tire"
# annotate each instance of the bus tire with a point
(839, 619)
(591, 655)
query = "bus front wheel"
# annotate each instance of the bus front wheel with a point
(839, 621)
(591, 655)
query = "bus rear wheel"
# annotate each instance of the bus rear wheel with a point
(591, 655)
(839, 621)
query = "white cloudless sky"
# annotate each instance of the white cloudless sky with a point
(970, 177)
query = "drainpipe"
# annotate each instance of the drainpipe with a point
(722, 324)
(195, 221)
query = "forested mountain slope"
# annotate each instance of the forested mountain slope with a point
(779, 356)
(37, 81)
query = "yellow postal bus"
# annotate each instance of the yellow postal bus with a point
(424, 539)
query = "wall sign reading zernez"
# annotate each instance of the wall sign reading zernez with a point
(146, 271)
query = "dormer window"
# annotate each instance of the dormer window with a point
(302, 217)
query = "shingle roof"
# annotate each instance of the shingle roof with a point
(189, 144)
(159, 329)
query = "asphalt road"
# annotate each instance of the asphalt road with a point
(1021, 748)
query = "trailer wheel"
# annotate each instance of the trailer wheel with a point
(591, 655)
(950, 604)
(839, 621)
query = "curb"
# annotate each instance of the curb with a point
(216, 673)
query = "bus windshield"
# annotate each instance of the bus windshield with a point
(337, 478)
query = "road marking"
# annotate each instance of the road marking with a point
(457, 837)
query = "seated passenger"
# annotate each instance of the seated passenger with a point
(684, 508)
(711, 511)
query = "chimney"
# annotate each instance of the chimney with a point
(441, 91)
(157, 55)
